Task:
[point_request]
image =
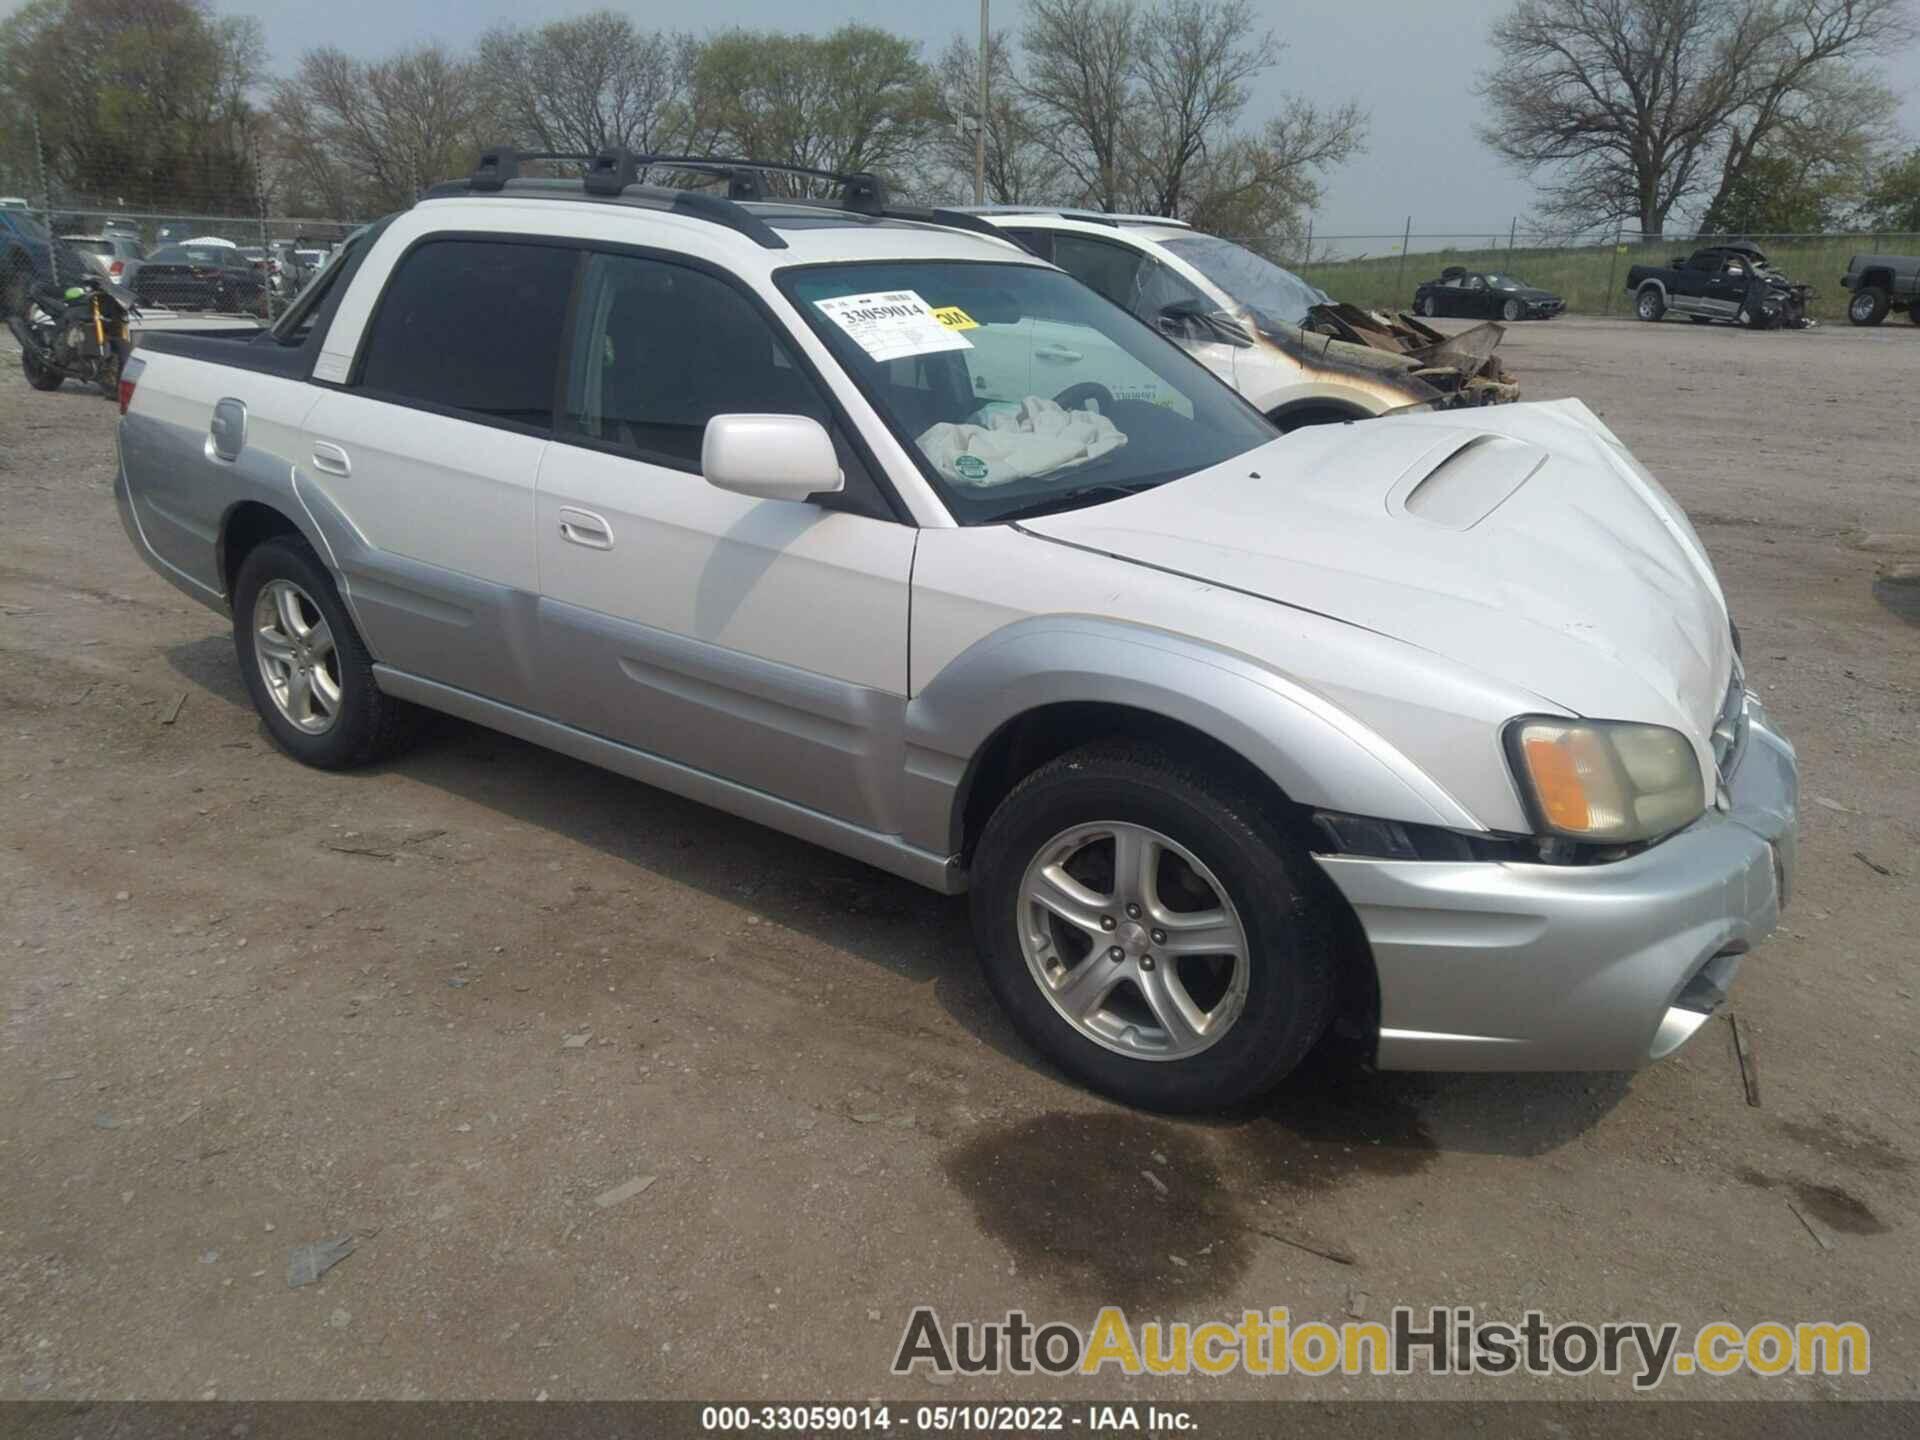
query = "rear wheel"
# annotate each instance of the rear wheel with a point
(1650, 306)
(1429, 306)
(1150, 931)
(1868, 306)
(304, 664)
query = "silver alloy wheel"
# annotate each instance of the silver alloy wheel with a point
(293, 645)
(1513, 310)
(1647, 301)
(1429, 307)
(1861, 307)
(1156, 964)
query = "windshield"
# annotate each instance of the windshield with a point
(1018, 387)
(1252, 280)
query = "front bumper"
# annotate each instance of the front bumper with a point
(1486, 966)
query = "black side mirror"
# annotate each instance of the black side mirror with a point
(1194, 320)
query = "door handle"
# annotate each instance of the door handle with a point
(331, 458)
(583, 527)
(1056, 352)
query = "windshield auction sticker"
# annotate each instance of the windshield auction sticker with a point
(892, 324)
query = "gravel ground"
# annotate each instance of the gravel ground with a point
(445, 1004)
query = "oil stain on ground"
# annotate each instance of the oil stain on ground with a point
(1839, 1209)
(1126, 1209)
(1119, 1208)
(1838, 1138)
(1899, 591)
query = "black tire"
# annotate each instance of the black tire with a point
(1429, 306)
(1283, 907)
(39, 376)
(1913, 312)
(368, 724)
(1869, 305)
(1649, 305)
(1513, 311)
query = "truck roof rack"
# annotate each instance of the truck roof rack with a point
(614, 173)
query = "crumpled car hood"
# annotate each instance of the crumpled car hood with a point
(1522, 541)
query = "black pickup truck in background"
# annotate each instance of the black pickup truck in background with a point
(1880, 283)
(1734, 283)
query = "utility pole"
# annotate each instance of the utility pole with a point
(980, 121)
(46, 198)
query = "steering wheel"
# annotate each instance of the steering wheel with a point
(1074, 397)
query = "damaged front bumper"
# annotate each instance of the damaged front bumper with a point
(1461, 369)
(1502, 966)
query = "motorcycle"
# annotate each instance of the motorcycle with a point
(80, 332)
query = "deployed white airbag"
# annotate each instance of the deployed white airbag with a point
(1034, 438)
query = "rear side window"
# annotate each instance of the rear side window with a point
(473, 325)
(1110, 269)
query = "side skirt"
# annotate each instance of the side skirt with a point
(883, 852)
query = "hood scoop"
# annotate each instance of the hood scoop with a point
(1464, 479)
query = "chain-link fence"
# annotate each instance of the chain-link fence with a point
(1383, 271)
(173, 233)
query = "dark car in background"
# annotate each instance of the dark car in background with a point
(31, 257)
(1485, 295)
(200, 277)
(1733, 283)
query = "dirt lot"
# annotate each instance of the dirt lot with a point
(249, 1005)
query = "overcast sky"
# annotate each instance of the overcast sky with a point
(1411, 62)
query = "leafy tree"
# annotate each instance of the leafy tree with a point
(856, 99)
(141, 103)
(1893, 199)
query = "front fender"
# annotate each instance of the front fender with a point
(1315, 751)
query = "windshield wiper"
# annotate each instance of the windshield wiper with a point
(1070, 499)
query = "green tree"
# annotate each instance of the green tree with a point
(1893, 199)
(140, 103)
(856, 99)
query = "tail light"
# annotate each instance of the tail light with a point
(117, 269)
(129, 377)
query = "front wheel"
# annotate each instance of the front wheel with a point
(1650, 306)
(305, 667)
(39, 376)
(1868, 306)
(1150, 931)
(1513, 310)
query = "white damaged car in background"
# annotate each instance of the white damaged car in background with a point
(1299, 357)
(866, 524)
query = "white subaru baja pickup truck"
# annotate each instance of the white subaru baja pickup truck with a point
(1432, 728)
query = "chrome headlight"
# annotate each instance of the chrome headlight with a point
(1607, 781)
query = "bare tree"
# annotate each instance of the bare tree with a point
(1020, 168)
(1257, 188)
(1803, 103)
(1196, 60)
(588, 82)
(381, 131)
(1636, 107)
(1082, 59)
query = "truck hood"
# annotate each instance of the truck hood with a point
(1522, 541)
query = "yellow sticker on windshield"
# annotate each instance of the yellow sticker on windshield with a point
(954, 318)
